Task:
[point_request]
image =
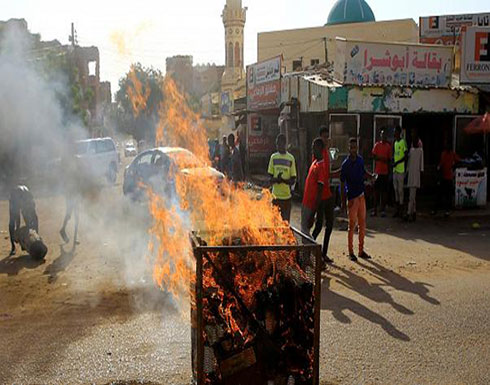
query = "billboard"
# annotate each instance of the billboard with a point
(475, 57)
(372, 63)
(264, 85)
(448, 30)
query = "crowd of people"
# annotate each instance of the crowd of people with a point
(397, 166)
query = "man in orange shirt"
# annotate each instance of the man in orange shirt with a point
(382, 154)
(325, 211)
(314, 186)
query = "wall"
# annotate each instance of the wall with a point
(407, 100)
(309, 42)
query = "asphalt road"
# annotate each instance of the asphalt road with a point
(417, 314)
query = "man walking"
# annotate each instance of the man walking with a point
(314, 186)
(325, 211)
(21, 202)
(400, 154)
(415, 168)
(352, 175)
(282, 172)
(382, 155)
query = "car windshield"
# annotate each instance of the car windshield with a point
(81, 148)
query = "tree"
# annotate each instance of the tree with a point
(138, 99)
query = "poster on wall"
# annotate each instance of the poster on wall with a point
(415, 65)
(448, 30)
(475, 58)
(261, 135)
(226, 103)
(264, 85)
(471, 188)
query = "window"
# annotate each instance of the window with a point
(297, 65)
(145, 159)
(92, 68)
(315, 62)
(81, 148)
(342, 128)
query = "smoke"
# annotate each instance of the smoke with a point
(38, 130)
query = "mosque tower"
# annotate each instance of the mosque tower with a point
(234, 17)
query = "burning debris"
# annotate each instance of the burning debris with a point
(256, 311)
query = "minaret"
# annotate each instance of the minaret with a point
(234, 17)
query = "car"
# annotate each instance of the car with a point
(156, 169)
(98, 157)
(130, 150)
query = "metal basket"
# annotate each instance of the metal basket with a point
(265, 334)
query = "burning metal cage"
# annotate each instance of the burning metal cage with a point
(256, 313)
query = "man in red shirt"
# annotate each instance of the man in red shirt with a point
(382, 155)
(325, 211)
(446, 168)
(314, 186)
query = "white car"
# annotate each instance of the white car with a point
(99, 158)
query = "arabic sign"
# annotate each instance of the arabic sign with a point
(261, 133)
(369, 63)
(448, 30)
(475, 60)
(264, 85)
(471, 188)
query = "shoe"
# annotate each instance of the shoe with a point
(352, 257)
(433, 212)
(374, 213)
(383, 214)
(447, 214)
(327, 260)
(364, 255)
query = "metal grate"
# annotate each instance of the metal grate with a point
(256, 313)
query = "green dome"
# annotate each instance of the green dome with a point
(350, 11)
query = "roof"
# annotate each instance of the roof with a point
(350, 11)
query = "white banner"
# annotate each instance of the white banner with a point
(369, 63)
(475, 60)
(471, 188)
(447, 30)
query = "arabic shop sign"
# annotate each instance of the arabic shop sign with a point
(448, 30)
(369, 63)
(264, 85)
(475, 61)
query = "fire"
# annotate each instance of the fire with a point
(221, 212)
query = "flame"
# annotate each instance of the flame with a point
(138, 93)
(220, 211)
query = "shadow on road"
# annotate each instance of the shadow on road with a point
(12, 265)
(339, 304)
(399, 282)
(60, 264)
(371, 291)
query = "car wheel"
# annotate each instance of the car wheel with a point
(112, 174)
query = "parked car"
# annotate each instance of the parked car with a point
(99, 158)
(157, 167)
(130, 150)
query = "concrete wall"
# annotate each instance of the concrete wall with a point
(309, 43)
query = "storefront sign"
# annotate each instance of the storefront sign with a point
(475, 61)
(264, 85)
(367, 63)
(448, 30)
(471, 188)
(261, 135)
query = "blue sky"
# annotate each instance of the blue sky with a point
(155, 29)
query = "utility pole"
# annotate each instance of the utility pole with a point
(73, 36)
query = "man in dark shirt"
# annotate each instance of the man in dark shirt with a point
(352, 177)
(21, 202)
(237, 174)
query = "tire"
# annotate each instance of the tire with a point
(112, 174)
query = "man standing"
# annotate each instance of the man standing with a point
(446, 168)
(282, 171)
(400, 154)
(415, 168)
(325, 211)
(352, 175)
(224, 156)
(382, 154)
(237, 174)
(314, 185)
